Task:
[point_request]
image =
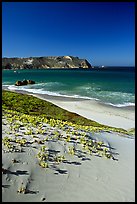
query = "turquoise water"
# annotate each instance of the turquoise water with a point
(112, 85)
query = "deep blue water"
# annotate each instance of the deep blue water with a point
(113, 85)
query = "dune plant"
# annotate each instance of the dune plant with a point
(38, 117)
(32, 106)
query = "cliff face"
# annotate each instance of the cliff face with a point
(45, 62)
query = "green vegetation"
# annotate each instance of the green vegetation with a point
(45, 62)
(46, 111)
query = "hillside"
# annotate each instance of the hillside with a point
(45, 62)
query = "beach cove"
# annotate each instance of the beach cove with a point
(68, 102)
(82, 176)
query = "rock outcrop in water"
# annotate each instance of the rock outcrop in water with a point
(45, 62)
(24, 82)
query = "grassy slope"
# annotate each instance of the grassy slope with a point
(31, 105)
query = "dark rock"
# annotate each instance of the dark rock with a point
(30, 82)
(24, 82)
(8, 66)
(18, 83)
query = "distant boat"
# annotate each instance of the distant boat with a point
(16, 71)
(101, 66)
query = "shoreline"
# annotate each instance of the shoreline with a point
(121, 117)
(101, 113)
(71, 98)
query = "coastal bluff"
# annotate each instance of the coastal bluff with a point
(44, 62)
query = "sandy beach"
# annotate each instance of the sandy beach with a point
(85, 177)
(122, 117)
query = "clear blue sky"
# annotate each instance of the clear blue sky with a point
(103, 33)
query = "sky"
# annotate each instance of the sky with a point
(101, 32)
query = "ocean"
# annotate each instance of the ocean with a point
(111, 85)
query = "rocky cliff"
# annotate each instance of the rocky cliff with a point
(45, 62)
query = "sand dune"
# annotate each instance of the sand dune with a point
(81, 177)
